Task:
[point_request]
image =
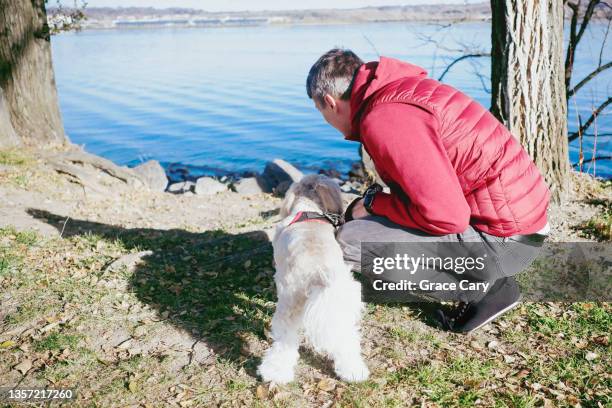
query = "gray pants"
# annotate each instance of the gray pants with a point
(507, 256)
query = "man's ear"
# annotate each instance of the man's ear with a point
(330, 102)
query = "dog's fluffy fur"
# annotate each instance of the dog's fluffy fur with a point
(316, 291)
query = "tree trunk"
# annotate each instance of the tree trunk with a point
(28, 97)
(527, 75)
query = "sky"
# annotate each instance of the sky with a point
(233, 5)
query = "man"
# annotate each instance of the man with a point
(455, 173)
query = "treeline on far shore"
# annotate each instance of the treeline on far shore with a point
(107, 17)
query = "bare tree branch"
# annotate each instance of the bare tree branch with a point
(484, 79)
(586, 79)
(592, 159)
(371, 44)
(571, 46)
(586, 125)
(461, 58)
(603, 42)
(430, 39)
(596, 134)
(587, 17)
(576, 31)
(466, 50)
(576, 34)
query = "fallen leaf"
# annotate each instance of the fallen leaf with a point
(572, 399)
(140, 331)
(590, 356)
(326, 384)
(522, 374)
(132, 386)
(601, 340)
(262, 392)
(7, 344)
(473, 383)
(282, 395)
(104, 362)
(476, 345)
(125, 344)
(581, 344)
(24, 366)
(50, 326)
(493, 344)
(52, 319)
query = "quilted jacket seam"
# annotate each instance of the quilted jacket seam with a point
(507, 204)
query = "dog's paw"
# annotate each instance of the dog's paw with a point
(275, 371)
(352, 371)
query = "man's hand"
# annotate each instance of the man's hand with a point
(358, 210)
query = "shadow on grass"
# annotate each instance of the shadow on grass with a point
(211, 284)
(421, 308)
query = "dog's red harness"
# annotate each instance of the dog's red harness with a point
(304, 216)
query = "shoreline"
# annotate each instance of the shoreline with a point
(169, 26)
(142, 16)
(134, 27)
(70, 181)
(105, 18)
(178, 171)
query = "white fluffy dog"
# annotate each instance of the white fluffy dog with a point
(316, 291)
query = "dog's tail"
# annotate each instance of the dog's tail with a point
(332, 312)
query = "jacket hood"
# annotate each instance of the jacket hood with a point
(373, 76)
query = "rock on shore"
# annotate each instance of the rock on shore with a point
(251, 185)
(153, 174)
(208, 186)
(181, 187)
(279, 175)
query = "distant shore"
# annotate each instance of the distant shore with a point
(139, 17)
(148, 17)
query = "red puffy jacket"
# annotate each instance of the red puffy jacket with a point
(449, 162)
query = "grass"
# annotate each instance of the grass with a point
(129, 335)
(56, 342)
(599, 227)
(11, 257)
(18, 168)
(188, 324)
(12, 157)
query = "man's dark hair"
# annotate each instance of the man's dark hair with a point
(333, 74)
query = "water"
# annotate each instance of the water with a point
(229, 99)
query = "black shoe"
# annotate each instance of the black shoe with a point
(503, 296)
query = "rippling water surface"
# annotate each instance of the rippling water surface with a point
(230, 99)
